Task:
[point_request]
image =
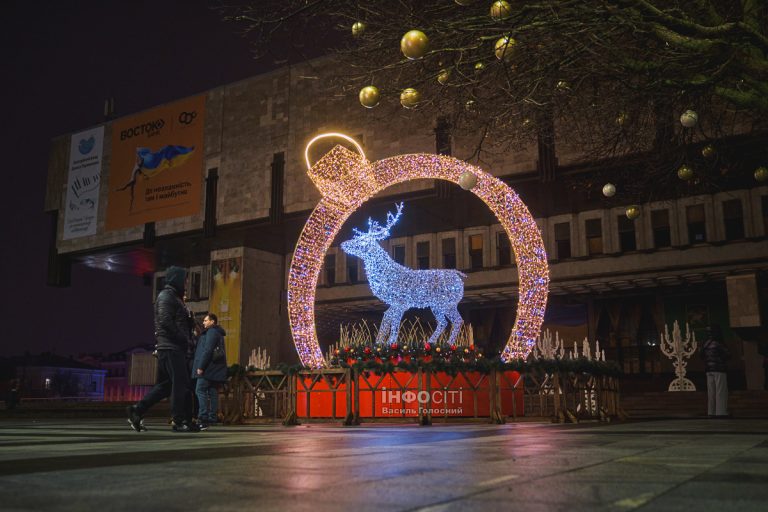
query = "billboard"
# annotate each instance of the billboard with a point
(82, 200)
(226, 302)
(156, 168)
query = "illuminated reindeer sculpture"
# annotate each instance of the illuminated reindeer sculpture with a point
(403, 288)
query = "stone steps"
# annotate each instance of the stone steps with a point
(690, 404)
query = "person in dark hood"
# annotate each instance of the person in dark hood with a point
(716, 355)
(172, 335)
(209, 368)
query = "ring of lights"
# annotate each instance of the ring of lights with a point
(347, 180)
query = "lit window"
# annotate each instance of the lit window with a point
(476, 251)
(594, 231)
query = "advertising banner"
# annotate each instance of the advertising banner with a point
(226, 302)
(156, 169)
(82, 201)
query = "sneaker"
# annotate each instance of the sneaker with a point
(135, 420)
(185, 427)
(202, 426)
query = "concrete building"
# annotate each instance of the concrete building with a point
(696, 258)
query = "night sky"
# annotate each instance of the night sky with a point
(61, 59)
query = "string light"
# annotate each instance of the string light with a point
(346, 180)
(403, 288)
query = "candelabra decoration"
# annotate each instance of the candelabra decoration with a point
(546, 348)
(679, 349)
(259, 359)
(346, 180)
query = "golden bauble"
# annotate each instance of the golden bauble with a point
(689, 118)
(370, 96)
(632, 212)
(479, 66)
(467, 180)
(501, 10)
(443, 76)
(504, 46)
(761, 174)
(563, 85)
(410, 98)
(684, 172)
(470, 106)
(708, 151)
(622, 118)
(527, 123)
(358, 28)
(414, 44)
(609, 190)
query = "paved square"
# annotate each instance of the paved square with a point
(76, 465)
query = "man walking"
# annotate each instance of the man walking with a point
(209, 368)
(172, 335)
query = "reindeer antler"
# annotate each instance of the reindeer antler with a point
(392, 219)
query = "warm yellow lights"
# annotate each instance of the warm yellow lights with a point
(347, 180)
(328, 135)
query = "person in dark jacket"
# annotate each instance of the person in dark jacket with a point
(209, 368)
(172, 335)
(715, 355)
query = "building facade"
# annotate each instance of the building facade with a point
(697, 257)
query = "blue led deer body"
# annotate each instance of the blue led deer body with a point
(402, 288)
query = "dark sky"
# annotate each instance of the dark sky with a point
(60, 60)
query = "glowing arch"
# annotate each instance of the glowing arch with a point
(346, 180)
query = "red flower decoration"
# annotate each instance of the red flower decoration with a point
(453, 347)
(472, 348)
(394, 346)
(427, 347)
(367, 350)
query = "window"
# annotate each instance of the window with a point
(733, 218)
(330, 269)
(195, 281)
(422, 255)
(47, 383)
(563, 240)
(627, 240)
(449, 252)
(476, 251)
(398, 254)
(594, 231)
(351, 270)
(503, 249)
(662, 234)
(697, 231)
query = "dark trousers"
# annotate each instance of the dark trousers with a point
(172, 381)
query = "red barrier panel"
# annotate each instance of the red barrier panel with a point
(402, 394)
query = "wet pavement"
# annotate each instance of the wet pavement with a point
(78, 465)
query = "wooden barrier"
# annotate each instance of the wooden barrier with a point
(423, 396)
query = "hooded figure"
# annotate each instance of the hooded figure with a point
(172, 335)
(171, 320)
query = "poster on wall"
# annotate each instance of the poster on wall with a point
(226, 302)
(156, 166)
(82, 199)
